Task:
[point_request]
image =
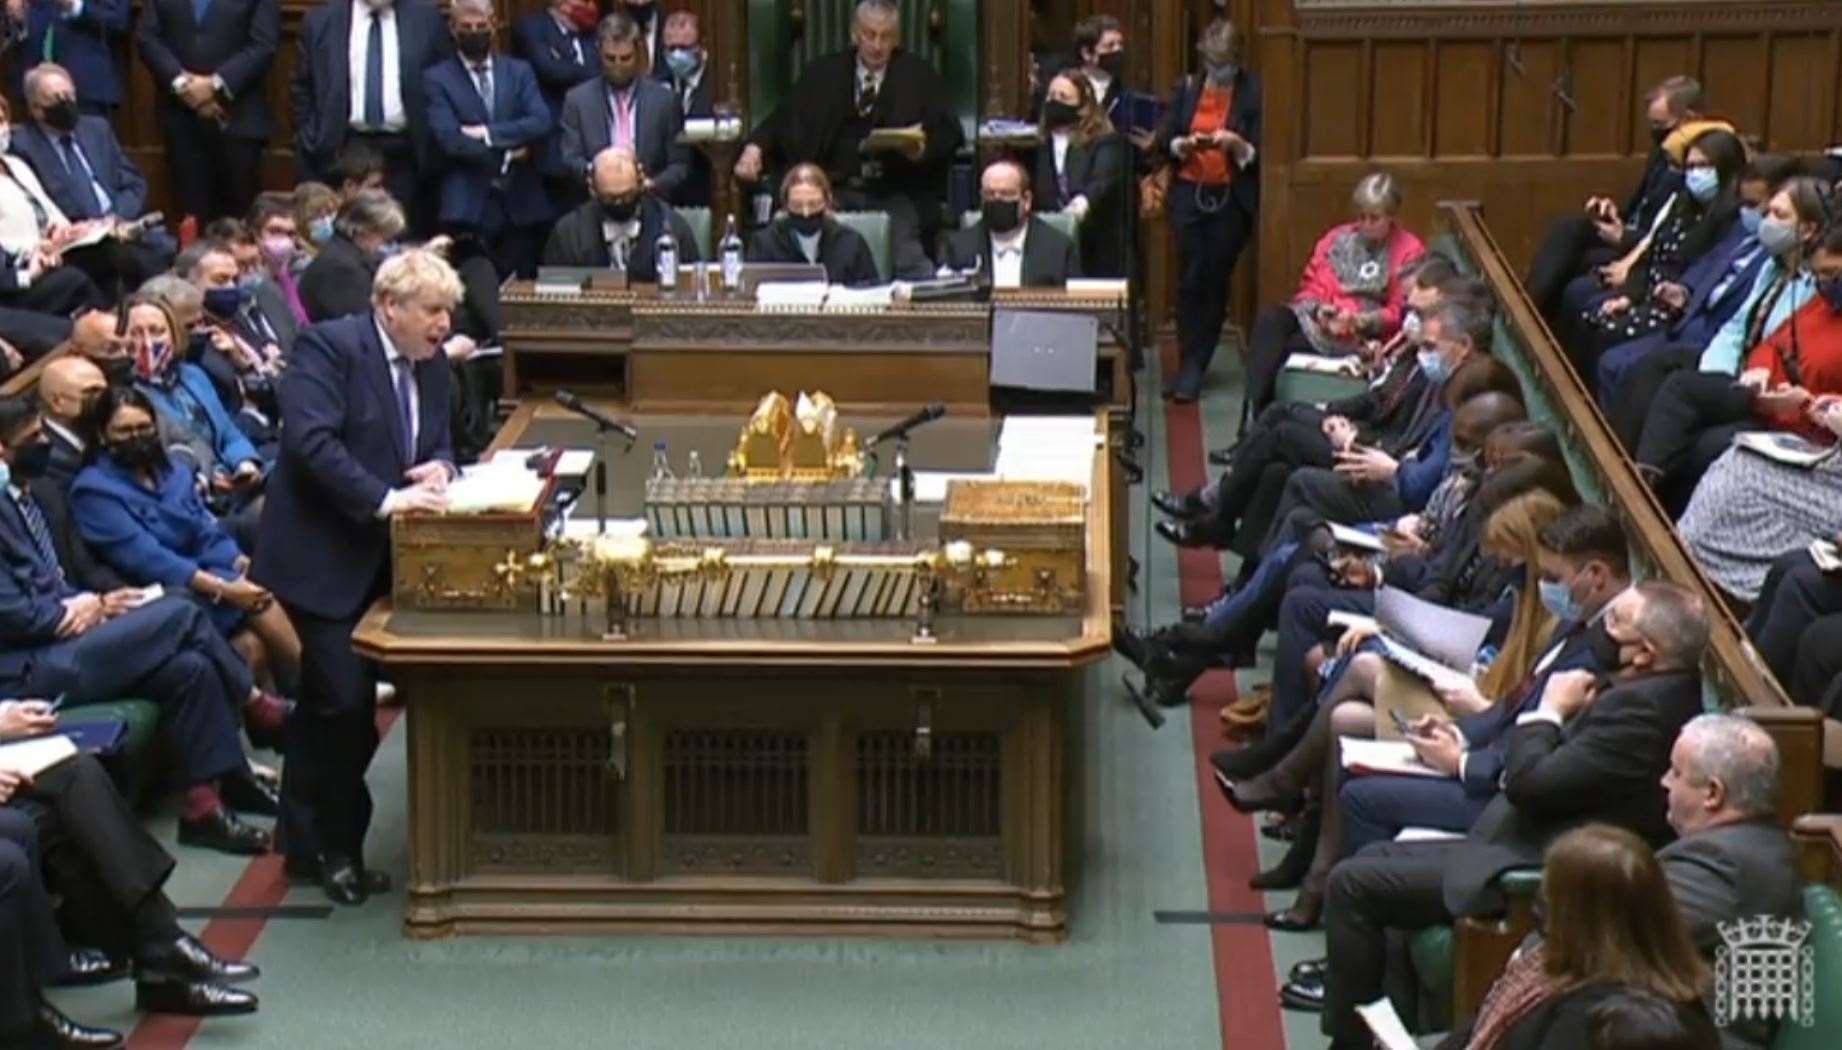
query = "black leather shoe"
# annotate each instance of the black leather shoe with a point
(186, 958)
(192, 998)
(1186, 534)
(1311, 970)
(55, 1029)
(1294, 919)
(244, 793)
(1186, 505)
(344, 883)
(1303, 995)
(1193, 613)
(375, 882)
(1222, 457)
(1262, 794)
(91, 966)
(225, 832)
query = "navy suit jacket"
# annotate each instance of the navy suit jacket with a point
(322, 547)
(1705, 313)
(236, 41)
(657, 121)
(322, 86)
(1485, 733)
(546, 46)
(80, 45)
(32, 594)
(126, 186)
(470, 168)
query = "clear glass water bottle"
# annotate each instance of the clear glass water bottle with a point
(731, 254)
(661, 466)
(693, 465)
(665, 251)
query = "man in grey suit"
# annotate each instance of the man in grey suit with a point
(626, 109)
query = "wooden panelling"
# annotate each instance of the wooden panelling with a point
(1527, 107)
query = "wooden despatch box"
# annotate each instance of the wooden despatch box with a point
(1041, 528)
(450, 561)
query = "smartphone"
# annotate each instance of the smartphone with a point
(57, 702)
(1402, 724)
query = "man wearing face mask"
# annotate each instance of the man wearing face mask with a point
(559, 43)
(1008, 247)
(807, 233)
(67, 390)
(1593, 750)
(488, 117)
(359, 78)
(686, 71)
(1100, 43)
(333, 284)
(619, 227)
(627, 109)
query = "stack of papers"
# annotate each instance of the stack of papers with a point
(1428, 639)
(32, 757)
(1365, 757)
(493, 488)
(791, 295)
(840, 298)
(1325, 365)
(574, 463)
(1047, 448)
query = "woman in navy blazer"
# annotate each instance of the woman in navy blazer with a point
(149, 523)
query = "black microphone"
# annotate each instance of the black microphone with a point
(600, 418)
(926, 415)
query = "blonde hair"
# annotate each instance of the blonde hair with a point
(414, 274)
(1377, 192)
(1093, 122)
(806, 175)
(1514, 530)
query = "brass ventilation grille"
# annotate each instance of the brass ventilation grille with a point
(938, 815)
(542, 799)
(737, 801)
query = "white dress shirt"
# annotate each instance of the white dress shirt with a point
(620, 238)
(1007, 257)
(356, 47)
(1077, 205)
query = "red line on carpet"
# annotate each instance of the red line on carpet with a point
(262, 886)
(1244, 978)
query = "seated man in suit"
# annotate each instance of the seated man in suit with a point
(70, 831)
(86, 171)
(334, 284)
(265, 313)
(488, 117)
(89, 646)
(347, 88)
(620, 224)
(626, 109)
(828, 117)
(222, 339)
(1594, 750)
(1008, 247)
(559, 43)
(686, 72)
(67, 388)
(807, 233)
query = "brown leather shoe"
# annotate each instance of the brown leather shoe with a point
(1248, 712)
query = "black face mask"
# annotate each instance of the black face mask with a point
(620, 209)
(139, 453)
(1604, 648)
(31, 461)
(1113, 63)
(806, 225)
(117, 370)
(476, 46)
(1059, 114)
(62, 114)
(1001, 216)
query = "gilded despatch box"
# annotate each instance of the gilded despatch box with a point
(1041, 528)
(453, 561)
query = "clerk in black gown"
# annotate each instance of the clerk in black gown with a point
(1081, 169)
(807, 232)
(829, 114)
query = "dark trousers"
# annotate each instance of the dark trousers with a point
(1209, 240)
(1639, 387)
(97, 857)
(1303, 613)
(32, 953)
(1816, 676)
(325, 805)
(1571, 247)
(1287, 436)
(1386, 886)
(1275, 337)
(1619, 361)
(167, 652)
(32, 333)
(1376, 808)
(1796, 596)
(114, 268)
(1315, 495)
(214, 173)
(1689, 424)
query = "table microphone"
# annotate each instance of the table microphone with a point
(926, 415)
(600, 418)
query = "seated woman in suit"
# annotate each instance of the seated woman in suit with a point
(1081, 170)
(806, 232)
(1612, 932)
(146, 519)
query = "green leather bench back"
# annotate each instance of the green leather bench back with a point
(874, 226)
(1824, 910)
(699, 220)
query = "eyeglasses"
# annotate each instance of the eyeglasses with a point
(149, 430)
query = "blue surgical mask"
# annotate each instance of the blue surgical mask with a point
(1557, 597)
(683, 61)
(322, 230)
(1776, 237)
(6, 474)
(1432, 362)
(249, 282)
(1750, 219)
(1702, 183)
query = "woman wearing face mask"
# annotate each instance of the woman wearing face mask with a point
(315, 206)
(1653, 294)
(142, 513)
(1081, 169)
(1694, 415)
(806, 232)
(1351, 292)
(338, 281)
(1211, 137)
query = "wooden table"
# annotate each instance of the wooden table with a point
(771, 776)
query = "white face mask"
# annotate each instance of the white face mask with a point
(6, 137)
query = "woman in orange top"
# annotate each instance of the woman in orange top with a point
(1212, 133)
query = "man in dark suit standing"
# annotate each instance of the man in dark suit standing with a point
(211, 58)
(359, 77)
(559, 43)
(1008, 246)
(1100, 44)
(685, 71)
(620, 224)
(1588, 753)
(364, 406)
(76, 35)
(830, 113)
(626, 109)
(86, 172)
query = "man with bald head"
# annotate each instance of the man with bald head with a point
(67, 387)
(619, 227)
(1008, 246)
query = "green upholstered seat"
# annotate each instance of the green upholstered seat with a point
(1298, 385)
(1433, 952)
(1823, 909)
(700, 221)
(134, 769)
(1063, 222)
(874, 226)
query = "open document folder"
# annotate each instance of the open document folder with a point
(1427, 639)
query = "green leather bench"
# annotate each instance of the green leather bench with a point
(1823, 908)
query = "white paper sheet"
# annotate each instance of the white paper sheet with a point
(1386, 1025)
(34, 756)
(1364, 756)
